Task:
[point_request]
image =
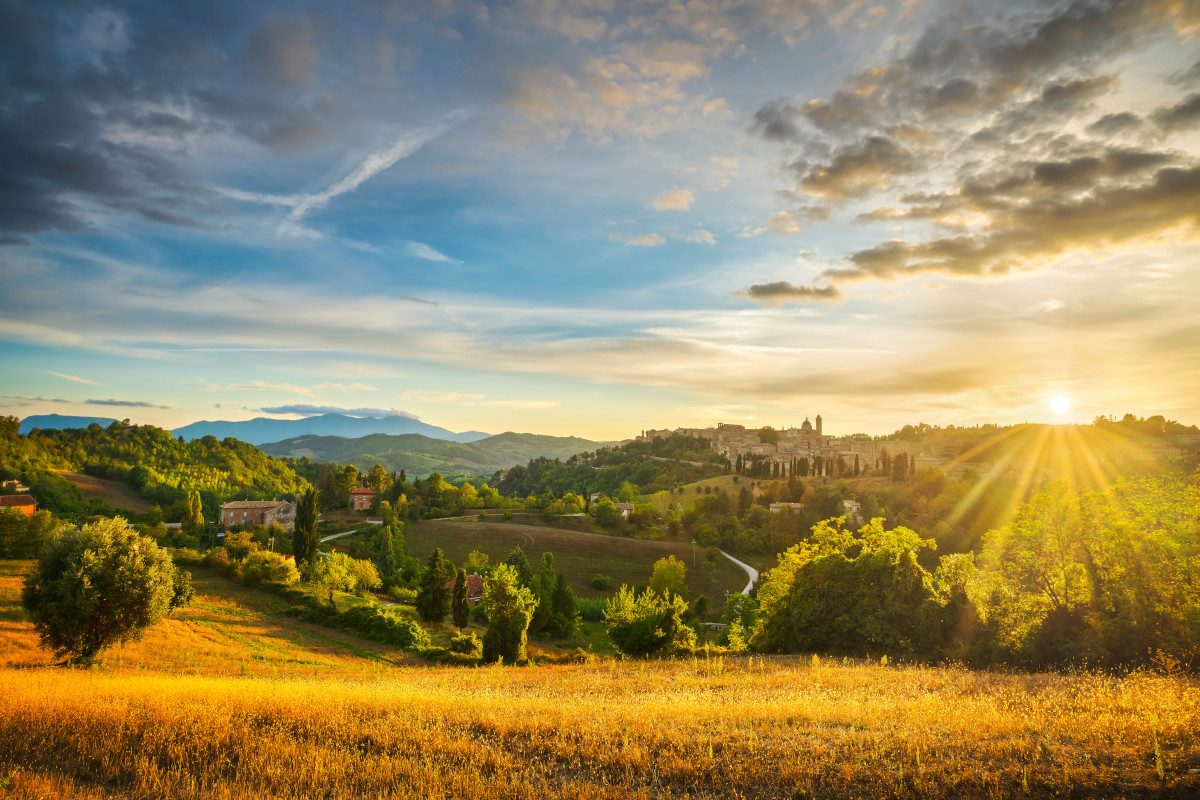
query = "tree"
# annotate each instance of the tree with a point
(543, 589)
(460, 611)
(304, 537)
(564, 611)
(509, 607)
(98, 586)
(265, 567)
(668, 577)
(193, 517)
(517, 560)
(768, 435)
(385, 559)
(334, 571)
(433, 596)
(647, 624)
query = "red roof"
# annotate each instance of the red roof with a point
(14, 500)
(474, 585)
(362, 490)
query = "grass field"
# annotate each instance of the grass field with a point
(775, 728)
(228, 701)
(228, 630)
(578, 555)
(114, 493)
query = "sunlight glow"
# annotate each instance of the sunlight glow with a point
(1060, 404)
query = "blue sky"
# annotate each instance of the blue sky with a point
(592, 217)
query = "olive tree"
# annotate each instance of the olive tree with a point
(98, 586)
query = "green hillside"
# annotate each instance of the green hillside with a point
(421, 455)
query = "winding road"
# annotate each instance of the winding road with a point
(751, 572)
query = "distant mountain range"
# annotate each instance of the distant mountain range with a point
(263, 429)
(61, 422)
(421, 455)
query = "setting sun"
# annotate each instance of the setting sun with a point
(1060, 404)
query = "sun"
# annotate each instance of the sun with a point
(1060, 404)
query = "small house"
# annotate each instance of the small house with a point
(361, 498)
(474, 589)
(21, 502)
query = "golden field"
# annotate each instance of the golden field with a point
(350, 721)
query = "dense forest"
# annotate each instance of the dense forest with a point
(158, 467)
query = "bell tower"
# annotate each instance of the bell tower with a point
(818, 424)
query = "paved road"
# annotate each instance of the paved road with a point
(751, 572)
(337, 535)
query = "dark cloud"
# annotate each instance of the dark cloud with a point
(785, 292)
(859, 169)
(1041, 214)
(103, 110)
(1184, 114)
(1115, 124)
(776, 121)
(312, 410)
(124, 403)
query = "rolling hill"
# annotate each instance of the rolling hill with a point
(421, 455)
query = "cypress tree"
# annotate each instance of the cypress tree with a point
(543, 590)
(433, 596)
(564, 611)
(304, 536)
(385, 559)
(459, 608)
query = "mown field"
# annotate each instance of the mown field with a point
(228, 701)
(578, 555)
(113, 493)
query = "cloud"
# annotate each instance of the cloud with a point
(1184, 114)
(1115, 124)
(75, 378)
(354, 387)
(695, 236)
(676, 199)
(307, 410)
(24, 401)
(124, 403)
(640, 240)
(478, 400)
(301, 204)
(1041, 213)
(263, 386)
(420, 250)
(867, 166)
(785, 292)
(428, 396)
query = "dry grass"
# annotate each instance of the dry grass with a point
(114, 493)
(746, 728)
(228, 630)
(325, 715)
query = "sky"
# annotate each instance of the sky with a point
(592, 217)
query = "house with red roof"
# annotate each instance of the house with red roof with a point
(474, 589)
(21, 502)
(361, 498)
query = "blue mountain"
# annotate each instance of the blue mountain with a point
(263, 429)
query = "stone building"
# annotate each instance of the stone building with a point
(258, 512)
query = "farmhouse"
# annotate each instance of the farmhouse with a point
(21, 502)
(625, 508)
(361, 498)
(474, 589)
(258, 512)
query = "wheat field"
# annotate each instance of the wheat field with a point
(720, 727)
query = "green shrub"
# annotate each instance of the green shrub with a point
(404, 596)
(265, 567)
(467, 644)
(600, 583)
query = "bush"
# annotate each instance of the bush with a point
(265, 567)
(479, 614)
(600, 582)
(404, 596)
(187, 556)
(647, 624)
(466, 644)
(99, 586)
(219, 560)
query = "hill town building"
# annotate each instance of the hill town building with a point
(361, 498)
